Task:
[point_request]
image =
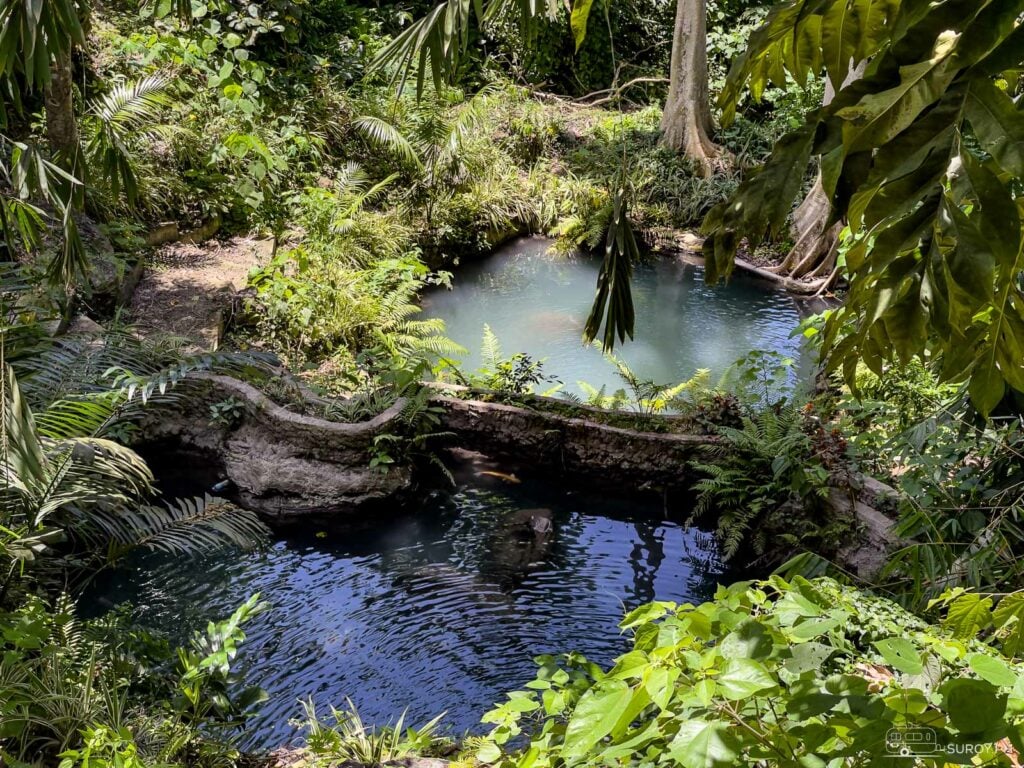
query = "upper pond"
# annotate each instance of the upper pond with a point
(537, 302)
(440, 609)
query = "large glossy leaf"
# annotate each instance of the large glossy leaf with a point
(998, 123)
(596, 714)
(937, 250)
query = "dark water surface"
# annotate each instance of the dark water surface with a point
(537, 302)
(441, 610)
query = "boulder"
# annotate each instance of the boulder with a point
(281, 464)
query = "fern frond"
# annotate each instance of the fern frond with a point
(490, 350)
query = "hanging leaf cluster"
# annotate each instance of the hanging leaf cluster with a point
(923, 155)
(32, 33)
(613, 302)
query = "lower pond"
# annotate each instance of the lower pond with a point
(439, 610)
(537, 301)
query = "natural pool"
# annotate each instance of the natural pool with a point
(442, 606)
(440, 609)
(537, 302)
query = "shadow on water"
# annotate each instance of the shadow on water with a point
(438, 608)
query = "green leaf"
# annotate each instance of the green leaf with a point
(613, 300)
(742, 678)
(640, 615)
(900, 654)
(1009, 618)
(489, 752)
(987, 387)
(703, 744)
(760, 206)
(973, 706)
(596, 713)
(995, 671)
(968, 614)
(998, 123)
(909, 701)
(578, 21)
(808, 630)
(812, 704)
(660, 685)
(807, 656)
(793, 606)
(749, 640)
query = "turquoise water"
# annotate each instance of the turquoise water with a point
(537, 302)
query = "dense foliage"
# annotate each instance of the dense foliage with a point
(770, 673)
(378, 146)
(922, 155)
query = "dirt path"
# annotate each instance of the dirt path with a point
(188, 289)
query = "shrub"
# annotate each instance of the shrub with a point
(766, 485)
(99, 693)
(770, 673)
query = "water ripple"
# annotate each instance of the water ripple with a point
(442, 611)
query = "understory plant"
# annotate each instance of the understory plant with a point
(311, 306)
(517, 374)
(958, 478)
(349, 740)
(101, 693)
(767, 483)
(645, 396)
(73, 494)
(772, 673)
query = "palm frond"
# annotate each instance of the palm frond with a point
(29, 175)
(384, 135)
(117, 117)
(32, 34)
(439, 41)
(131, 105)
(185, 527)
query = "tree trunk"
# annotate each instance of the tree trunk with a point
(61, 128)
(813, 238)
(686, 122)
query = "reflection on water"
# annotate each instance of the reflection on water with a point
(438, 611)
(537, 302)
